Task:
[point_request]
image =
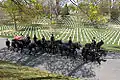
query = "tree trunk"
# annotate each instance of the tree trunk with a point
(110, 9)
(57, 10)
(50, 3)
(15, 24)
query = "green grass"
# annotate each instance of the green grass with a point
(114, 48)
(10, 71)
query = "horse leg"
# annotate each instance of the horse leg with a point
(85, 58)
(30, 50)
(42, 50)
(21, 50)
(54, 50)
(8, 47)
(35, 51)
(99, 61)
(61, 52)
(13, 49)
(103, 60)
(48, 50)
(74, 54)
(93, 58)
(17, 49)
(67, 53)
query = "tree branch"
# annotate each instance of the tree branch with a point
(80, 8)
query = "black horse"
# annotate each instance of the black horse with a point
(13, 45)
(17, 45)
(69, 50)
(93, 54)
(20, 45)
(32, 46)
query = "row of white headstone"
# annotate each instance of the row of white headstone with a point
(77, 34)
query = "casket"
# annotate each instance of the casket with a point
(18, 37)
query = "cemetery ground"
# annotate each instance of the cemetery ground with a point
(85, 22)
(110, 36)
(62, 65)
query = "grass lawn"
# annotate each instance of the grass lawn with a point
(10, 71)
(114, 48)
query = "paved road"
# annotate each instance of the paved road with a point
(2, 42)
(109, 70)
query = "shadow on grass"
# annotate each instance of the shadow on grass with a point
(52, 63)
(48, 78)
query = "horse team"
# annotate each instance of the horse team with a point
(90, 52)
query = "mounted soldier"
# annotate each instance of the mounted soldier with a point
(70, 41)
(20, 45)
(85, 51)
(31, 46)
(43, 39)
(99, 44)
(93, 44)
(26, 40)
(35, 38)
(8, 44)
(28, 37)
(52, 39)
